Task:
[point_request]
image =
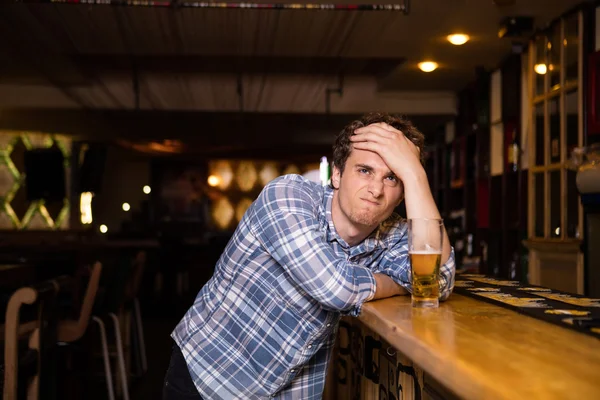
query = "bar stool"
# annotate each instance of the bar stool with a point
(131, 298)
(114, 286)
(70, 331)
(42, 335)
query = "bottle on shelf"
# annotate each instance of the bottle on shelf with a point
(513, 152)
(512, 272)
(325, 171)
(484, 254)
(455, 228)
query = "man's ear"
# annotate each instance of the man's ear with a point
(335, 177)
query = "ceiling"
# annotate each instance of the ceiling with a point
(182, 59)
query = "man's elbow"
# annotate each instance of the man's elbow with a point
(445, 295)
(339, 304)
(343, 301)
(446, 288)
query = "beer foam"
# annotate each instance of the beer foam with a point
(432, 252)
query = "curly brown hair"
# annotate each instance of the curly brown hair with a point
(343, 146)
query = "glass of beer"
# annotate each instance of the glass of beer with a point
(425, 239)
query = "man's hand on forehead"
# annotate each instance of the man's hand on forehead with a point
(390, 128)
(400, 154)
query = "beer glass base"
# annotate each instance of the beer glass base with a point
(425, 303)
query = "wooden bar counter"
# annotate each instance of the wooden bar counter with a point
(465, 349)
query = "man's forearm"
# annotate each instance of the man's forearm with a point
(420, 204)
(386, 287)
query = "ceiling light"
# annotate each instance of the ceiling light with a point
(540, 69)
(427, 66)
(103, 228)
(458, 38)
(147, 189)
(126, 207)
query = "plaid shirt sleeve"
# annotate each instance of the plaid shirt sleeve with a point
(285, 222)
(396, 264)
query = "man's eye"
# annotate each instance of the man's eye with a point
(392, 178)
(363, 171)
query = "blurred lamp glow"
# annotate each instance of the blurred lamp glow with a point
(126, 207)
(241, 208)
(458, 38)
(540, 69)
(223, 213)
(147, 189)
(291, 169)
(85, 207)
(214, 180)
(428, 66)
(223, 170)
(268, 173)
(246, 175)
(103, 228)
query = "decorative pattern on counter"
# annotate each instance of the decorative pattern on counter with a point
(366, 363)
(463, 284)
(575, 301)
(491, 281)
(484, 289)
(568, 310)
(515, 301)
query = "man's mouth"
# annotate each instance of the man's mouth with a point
(374, 203)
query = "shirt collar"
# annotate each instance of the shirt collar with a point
(372, 241)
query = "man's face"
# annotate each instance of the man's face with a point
(368, 190)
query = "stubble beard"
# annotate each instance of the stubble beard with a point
(364, 217)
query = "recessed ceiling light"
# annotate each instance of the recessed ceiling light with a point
(458, 38)
(427, 66)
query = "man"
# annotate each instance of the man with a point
(303, 255)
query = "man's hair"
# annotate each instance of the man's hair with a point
(343, 146)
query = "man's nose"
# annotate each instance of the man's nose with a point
(376, 188)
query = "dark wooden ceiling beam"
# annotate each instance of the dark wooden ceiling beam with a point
(203, 133)
(115, 65)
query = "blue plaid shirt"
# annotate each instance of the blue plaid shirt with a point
(264, 325)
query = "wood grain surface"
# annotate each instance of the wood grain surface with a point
(482, 351)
